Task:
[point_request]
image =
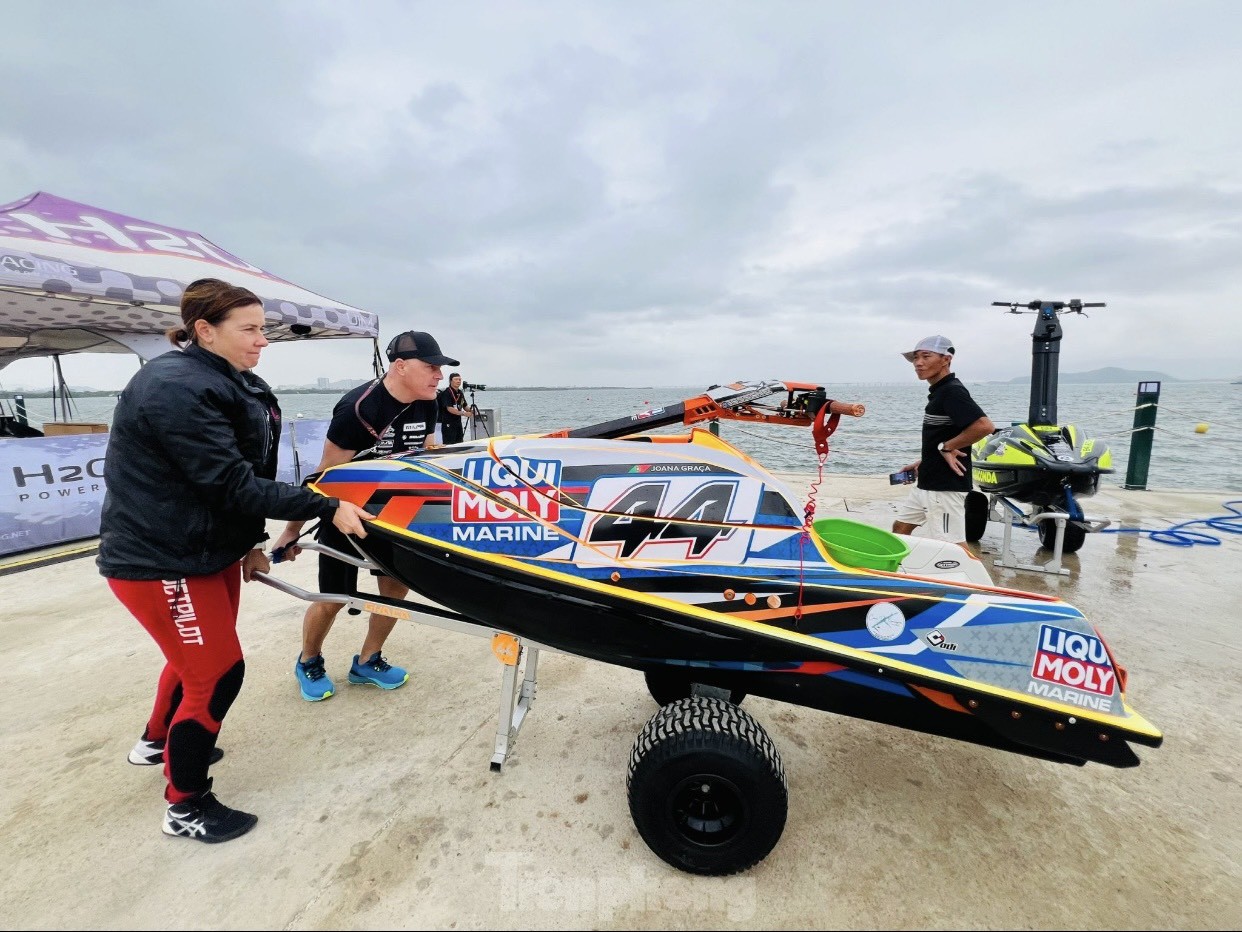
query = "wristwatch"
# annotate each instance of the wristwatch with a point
(942, 448)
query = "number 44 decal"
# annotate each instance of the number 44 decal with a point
(638, 517)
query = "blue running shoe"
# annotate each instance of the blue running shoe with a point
(378, 672)
(313, 679)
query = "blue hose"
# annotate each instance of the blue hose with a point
(1174, 536)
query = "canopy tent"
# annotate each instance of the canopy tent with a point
(75, 278)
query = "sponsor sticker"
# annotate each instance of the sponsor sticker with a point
(1070, 696)
(1068, 658)
(530, 485)
(885, 621)
(936, 639)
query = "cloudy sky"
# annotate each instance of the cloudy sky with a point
(659, 193)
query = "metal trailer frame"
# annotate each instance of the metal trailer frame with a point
(519, 657)
(1004, 510)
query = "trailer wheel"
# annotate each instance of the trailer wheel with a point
(706, 787)
(976, 516)
(1075, 535)
(670, 684)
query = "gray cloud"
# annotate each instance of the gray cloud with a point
(669, 193)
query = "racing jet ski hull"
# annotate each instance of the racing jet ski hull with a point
(685, 555)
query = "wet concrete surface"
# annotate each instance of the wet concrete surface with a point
(378, 809)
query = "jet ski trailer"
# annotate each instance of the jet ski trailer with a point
(681, 557)
(1039, 463)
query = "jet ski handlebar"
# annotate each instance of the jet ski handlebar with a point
(737, 401)
(1045, 351)
(1073, 306)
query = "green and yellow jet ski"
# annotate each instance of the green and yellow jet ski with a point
(1041, 463)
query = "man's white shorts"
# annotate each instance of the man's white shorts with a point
(943, 513)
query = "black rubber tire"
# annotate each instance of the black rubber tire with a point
(976, 516)
(1075, 535)
(706, 787)
(669, 685)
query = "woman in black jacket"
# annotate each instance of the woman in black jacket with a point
(190, 470)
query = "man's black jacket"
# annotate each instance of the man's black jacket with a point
(190, 466)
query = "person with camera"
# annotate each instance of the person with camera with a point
(393, 414)
(453, 407)
(952, 422)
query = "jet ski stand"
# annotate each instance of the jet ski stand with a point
(1010, 513)
(519, 658)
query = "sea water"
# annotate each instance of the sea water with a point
(887, 437)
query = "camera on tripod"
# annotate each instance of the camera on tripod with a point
(478, 419)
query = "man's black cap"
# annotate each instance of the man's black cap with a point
(414, 344)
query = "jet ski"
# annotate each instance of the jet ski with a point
(680, 556)
(1041, 463)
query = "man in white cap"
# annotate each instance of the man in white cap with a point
(952, 422)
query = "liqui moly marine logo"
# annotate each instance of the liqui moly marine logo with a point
(1068, 658)
(530, 485)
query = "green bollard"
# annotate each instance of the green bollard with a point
(714, 427)
(1140, 440)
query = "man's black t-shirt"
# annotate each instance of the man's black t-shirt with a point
(369, 410)
(450, 423)
(950, 410)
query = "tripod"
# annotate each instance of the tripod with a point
(478, 419)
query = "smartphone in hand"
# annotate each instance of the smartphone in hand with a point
(904, 477)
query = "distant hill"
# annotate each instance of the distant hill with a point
(1108, 374)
